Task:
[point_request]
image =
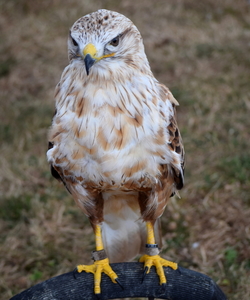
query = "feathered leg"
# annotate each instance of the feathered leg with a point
(151, 258)
(101, 263)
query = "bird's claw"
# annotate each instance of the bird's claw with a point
(75, 271)
(159, 263)
(146, 270)
(119, 282)
(99, 267)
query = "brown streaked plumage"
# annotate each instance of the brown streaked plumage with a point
(114, 140)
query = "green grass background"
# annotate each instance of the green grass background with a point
(201, 51)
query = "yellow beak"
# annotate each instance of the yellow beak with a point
(91, 50)
(90, 56)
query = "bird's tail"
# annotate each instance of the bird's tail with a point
(123, 230)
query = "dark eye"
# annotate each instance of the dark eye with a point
(74, 42)
(115, 41)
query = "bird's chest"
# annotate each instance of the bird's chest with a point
(109, 145)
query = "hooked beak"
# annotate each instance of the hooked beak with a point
(89, 61)
(89, 54)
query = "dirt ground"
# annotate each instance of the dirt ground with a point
(200, 50)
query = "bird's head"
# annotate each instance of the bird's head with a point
(104, 40)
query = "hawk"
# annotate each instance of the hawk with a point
(114, 142)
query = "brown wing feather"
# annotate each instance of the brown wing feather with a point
(177, 146)
(54, 172)
(152, 203)
(175, 142)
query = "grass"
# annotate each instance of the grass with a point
(200, 50)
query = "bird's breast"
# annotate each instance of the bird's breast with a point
(110, 142)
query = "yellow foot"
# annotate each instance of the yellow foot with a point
(159, 263)
(99, 267)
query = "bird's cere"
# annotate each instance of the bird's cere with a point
(90, 56)
(91, 50)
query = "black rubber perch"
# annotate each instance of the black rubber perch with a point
(182, 284)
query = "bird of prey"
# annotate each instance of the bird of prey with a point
(114, 142)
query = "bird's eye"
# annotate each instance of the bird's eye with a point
(114, 42)
(74, 42)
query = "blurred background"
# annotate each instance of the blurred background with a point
(201, 51)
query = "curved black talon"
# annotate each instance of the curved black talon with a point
(163, 287)
(119, 282)
(75, 271)
(144, 274)
(98, 296)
